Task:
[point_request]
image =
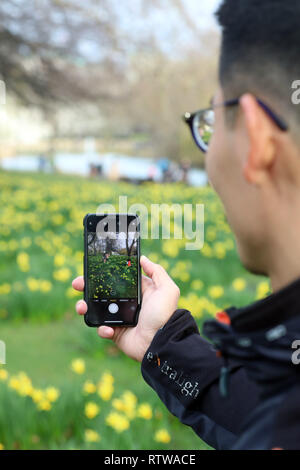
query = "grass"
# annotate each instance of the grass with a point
(41, 251)
(45, 352)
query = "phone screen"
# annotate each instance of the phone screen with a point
(112, 265)
(112, 272)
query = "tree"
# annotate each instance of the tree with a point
(87, 58)
(165, 88)
(129, 246)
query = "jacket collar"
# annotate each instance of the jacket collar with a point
(260, 337)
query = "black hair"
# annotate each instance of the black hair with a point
(260, 51)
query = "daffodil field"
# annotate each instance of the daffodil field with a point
(115, 279)
(62, 387)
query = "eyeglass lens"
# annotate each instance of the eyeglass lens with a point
(203, 124)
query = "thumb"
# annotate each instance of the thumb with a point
(155, 271)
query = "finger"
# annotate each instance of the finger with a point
(146, 282)
(81, 307)
(155, 271)
(78, 283)
(106, 332)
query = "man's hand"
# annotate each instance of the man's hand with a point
(159, 302)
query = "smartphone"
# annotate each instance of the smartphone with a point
(112, 272)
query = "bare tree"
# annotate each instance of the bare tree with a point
(67, 53)
(130, 246)
(164, 89)
(54, 49)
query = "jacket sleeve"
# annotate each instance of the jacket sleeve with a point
(184, 371)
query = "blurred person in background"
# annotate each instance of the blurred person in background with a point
(185, 166)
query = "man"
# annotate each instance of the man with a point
(245, 393)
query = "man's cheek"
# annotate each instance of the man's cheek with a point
(213, 172)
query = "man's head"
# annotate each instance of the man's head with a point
(252, 164)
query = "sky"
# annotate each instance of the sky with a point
(162, 22)
(137, 18)
(203, 11)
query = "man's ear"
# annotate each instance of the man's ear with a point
(261, 148)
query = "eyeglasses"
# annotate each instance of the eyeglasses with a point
(201, 123)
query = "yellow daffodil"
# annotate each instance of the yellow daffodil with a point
(171, 247)
(62, 274)
(197, 284)
(126, 403)
(14, 383)
(198, 306)
(72, 293)
(59, 260)
(117, 421)
(37, 395)
(3, 374)
(144, 411)
(163, 436)
(52, 394)
(105, 390)
(45, 286)
(89, 387)
(91, 410)
(91, 436)
(239, 284)
(263, 289)
(26, 242)
(105, 386)
(23, 261)
(5, 288)
(44, 405)
(33, 284)
(118, 404)
(78, 366)
(215, 292)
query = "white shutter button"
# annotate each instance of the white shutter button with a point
(113, 308)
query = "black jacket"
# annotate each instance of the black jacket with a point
(243, 392)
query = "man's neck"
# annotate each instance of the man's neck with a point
(285, 265)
